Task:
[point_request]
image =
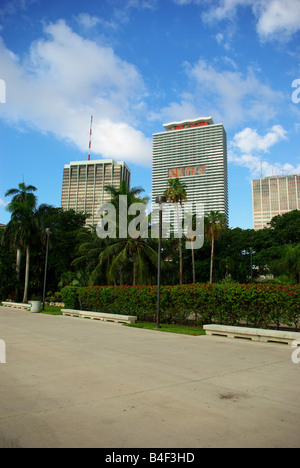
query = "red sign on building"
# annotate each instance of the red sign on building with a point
(189, 171)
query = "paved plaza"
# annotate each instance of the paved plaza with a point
(71, 382)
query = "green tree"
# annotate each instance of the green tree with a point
(87, 255)
(215, 224)
(126, 252)
(122, 259)
(23, 223)
(133, 195)
(22, 194)
(176, 193)
(8, 276)
(123, 254)
(289, 263)
(65, 227)
(286, 228)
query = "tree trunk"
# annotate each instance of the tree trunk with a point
(18, 263)
(212, 259)
(134, 273)
(18, 270)
(180, 246)
(25, 297)
(193, 262)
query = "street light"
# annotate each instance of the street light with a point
(159, 200)
(48, 232)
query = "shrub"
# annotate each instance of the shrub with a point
(69, 296)
(256, 305)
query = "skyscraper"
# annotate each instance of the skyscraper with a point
(196, 152)
(84, 184)
(272, 196)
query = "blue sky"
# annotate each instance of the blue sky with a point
(135, 65)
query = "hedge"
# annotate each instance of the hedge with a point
(254, 305)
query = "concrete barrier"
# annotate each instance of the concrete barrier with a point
(254, 334)
(17, 305)
(99, 316)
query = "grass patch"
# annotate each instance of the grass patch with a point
(172, 328)
(51, 310)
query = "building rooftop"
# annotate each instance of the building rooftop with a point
(199, 122)
(279, 176)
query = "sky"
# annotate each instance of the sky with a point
(135, 65)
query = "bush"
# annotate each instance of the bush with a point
(256, 305)
(69, 296)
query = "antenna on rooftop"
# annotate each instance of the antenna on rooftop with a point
(90, 144)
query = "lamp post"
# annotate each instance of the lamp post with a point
(48, 232)
(159, 200)
(251, 263)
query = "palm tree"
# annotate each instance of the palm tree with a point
(176, 193)
(133, 194)
(215, 224)
(88, 253)
(129, 252)
(22, 194)
(23, 224)
(118, 256)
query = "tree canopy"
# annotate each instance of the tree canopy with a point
(78, 256)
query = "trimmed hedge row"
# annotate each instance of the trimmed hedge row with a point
(256, 305)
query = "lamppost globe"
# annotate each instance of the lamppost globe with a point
(161, 199)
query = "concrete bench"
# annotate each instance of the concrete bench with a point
(254, 334)
(17, 305)
(99, 316)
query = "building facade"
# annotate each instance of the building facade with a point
(195, 151)
(84, 184)
(272, 196)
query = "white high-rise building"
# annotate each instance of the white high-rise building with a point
(195, 151)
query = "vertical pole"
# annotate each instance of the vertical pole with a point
(160, 200)
(90, 144)
(159, 267)
(251, 263)
(46, 265)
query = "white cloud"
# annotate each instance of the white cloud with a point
(230, 96)
(87, 21)
(147, 4)
(223, 9)
(276, 19)
(65, 79)
(183, 2)
(2, 202)
(249, 140)
(248, 149)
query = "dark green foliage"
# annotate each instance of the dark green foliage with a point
(232, 304)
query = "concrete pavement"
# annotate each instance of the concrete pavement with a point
(71, 382)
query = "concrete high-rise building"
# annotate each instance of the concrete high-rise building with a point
(272, 196)
(84, 184)
(195, 151)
